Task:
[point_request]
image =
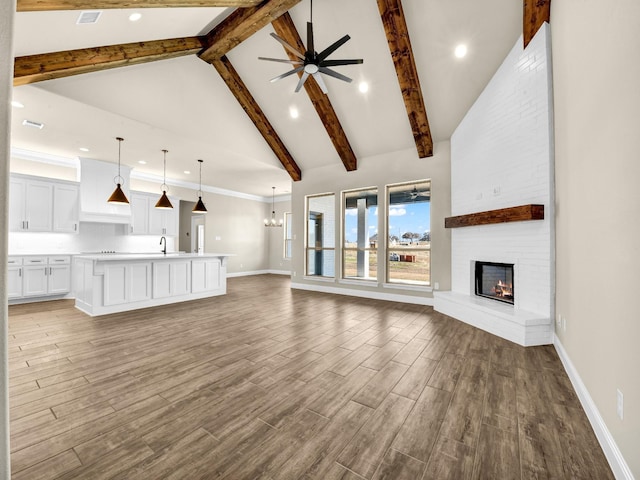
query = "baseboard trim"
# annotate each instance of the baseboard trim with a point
(616, 461)
(390, 297)
(258, 272)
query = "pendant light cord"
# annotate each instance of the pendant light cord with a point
(164, 171)
(311, 16)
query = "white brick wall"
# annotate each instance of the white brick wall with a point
(501, 156)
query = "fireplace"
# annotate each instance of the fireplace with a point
(494, 281)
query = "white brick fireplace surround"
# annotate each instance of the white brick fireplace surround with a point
(502, 156)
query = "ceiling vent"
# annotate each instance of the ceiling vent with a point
(30, 123)
(88, 17)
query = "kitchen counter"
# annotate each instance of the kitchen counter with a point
(115, 282)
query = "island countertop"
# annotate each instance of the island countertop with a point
(102, 257)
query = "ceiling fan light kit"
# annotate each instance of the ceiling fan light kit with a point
(312, 63)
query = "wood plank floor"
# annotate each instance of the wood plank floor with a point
(271, 383)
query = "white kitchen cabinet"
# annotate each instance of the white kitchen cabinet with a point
(30, 207)
(14, 277)
(127, 282)
(40, 276)
(171, 278)
(205, 275)
(42, 205)
(146, 219)
(139, 214)
(66, 211)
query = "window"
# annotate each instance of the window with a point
(288, 238)
(409, 233)
(360, 234)
(320, 237)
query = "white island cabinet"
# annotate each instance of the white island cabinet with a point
(110, 283)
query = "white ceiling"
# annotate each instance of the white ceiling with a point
(183, 105)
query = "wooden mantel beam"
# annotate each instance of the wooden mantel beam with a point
(395, 27)
(535, 13)
(257, 116)
(240, 25)
(45, 5)
(286, 30)
(47, 66)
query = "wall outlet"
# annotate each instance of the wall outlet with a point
(218, 238)
(559, 322)
(436, 286)
(241, 265)
(620, 404)
(496, 190)
(564, 324)
(294, 273)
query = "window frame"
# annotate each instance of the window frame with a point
(389, 249)
(343, 240)
(307, 248)
(288, 241)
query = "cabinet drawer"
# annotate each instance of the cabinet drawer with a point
(14, 261)
(35, 260)
(59, 260)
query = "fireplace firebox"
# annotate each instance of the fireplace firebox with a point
(495, 281)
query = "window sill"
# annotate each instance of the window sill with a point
(402, 286)
(364, 283)
(319, 279)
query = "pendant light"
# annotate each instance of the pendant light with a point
(272, 222)
(164, 201)
(200, 208)
(118, 196)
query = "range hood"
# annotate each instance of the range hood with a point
(96, 186)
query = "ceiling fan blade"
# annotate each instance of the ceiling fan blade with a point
(292, 62)
(288, 46)
(310, 46)
(336, 63)
(332, 48)
(321, 84)
(303, 79)
(286, 74)
(335, 74)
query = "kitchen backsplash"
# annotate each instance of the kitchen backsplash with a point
(93, 237)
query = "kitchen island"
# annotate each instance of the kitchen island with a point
(111, 283)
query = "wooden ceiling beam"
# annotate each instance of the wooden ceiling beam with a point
(395, 27)
(286, 30)
(47, 66)
(46, 5)
(535, 13)
(240, 25)
(257, 116)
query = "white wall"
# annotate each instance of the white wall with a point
(597, 104)
(7, 12)
(501, 156)
(379, 171)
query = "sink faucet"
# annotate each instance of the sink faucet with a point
(164, 250)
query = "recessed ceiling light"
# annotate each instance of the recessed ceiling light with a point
(460, 51)
(134, 17)
(293, 111)
(363, 87)
(30, 123)
(83, 149)
(142, 162)
(187, 172)
(17, 104)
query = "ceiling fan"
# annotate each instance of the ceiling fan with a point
(312, 63)
(415, 193)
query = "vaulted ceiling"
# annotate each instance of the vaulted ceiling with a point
(187, 79)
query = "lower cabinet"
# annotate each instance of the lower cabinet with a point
(38, 276)
(205, 275)
(127, 282)
(171, 278)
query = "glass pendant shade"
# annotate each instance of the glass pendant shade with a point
(164, 202)
(200, 208)
(118, 196)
